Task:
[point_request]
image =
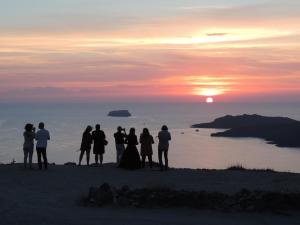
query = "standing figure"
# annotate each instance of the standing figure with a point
(146, 141)
(42, 136)
(29, 135)
(131, 158)
(99, 143)
(120, 143)
(164, 137)
(86, 145)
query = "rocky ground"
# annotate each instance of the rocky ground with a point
(54, 196)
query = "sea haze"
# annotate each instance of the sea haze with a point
(189, 148)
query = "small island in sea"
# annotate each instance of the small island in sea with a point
(281, 131)
(119, 113)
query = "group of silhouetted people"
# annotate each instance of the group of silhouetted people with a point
(41, 136)
(97, 137)
(127, 154)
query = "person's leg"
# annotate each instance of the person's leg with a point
(122, 150)
(39, 156)
(143, 161)
(96, 158)
(30, 158)
(88, 157)
(150, 160)
(25, 157)
(160, 159)
(44, 154)
(117, 154)
(166, 159)
(101, 159)
(80, 157)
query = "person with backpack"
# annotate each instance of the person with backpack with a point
(99, 144)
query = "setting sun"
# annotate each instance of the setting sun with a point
(209, 100)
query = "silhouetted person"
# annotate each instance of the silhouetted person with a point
(131, 158)
(164, 137)
(86, 145)
(146, 141)
(42, 136)
(120, 143)
(99, 143)
(29, 135)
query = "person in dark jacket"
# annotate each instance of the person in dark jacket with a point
(131, 158)
(146, 140)
(164, 137)
(86, 145)
(99, 144)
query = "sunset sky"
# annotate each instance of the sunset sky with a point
(115, 50)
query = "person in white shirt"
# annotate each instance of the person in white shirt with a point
(42, 137)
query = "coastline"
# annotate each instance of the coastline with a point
(30, 196)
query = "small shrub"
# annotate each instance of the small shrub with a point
(236, 167)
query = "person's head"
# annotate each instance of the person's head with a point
(41, 125)
(28, 127)
(132, 131)
(119, 129)
(164, 127)
(88, 129)
(146, 132)
(97, 126)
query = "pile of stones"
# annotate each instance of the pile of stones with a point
(244, 200)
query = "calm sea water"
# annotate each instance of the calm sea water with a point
(189, 148)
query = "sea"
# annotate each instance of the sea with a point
(188, 148)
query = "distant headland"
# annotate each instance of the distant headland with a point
(119, 113)
(281, 131)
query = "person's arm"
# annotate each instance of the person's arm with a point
(48, 135)
(33, 135)
(152, 140)
(170, 137)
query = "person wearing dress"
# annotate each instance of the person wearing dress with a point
(164, 137)
(131, 158)
(42, 137)
(86, 145)
(29, 135)
(120, 137)
(146, 141)
(99, 144)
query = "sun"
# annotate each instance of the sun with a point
(209, 100)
